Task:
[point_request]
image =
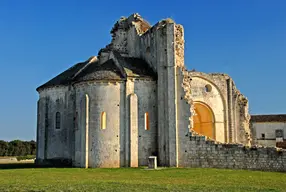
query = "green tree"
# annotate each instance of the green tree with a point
(17, 148)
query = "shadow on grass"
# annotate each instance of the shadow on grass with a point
(29, 166)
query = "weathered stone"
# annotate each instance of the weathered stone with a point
(136, 99)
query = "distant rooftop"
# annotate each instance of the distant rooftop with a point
(268, 118)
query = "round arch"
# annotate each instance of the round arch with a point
(204, 120)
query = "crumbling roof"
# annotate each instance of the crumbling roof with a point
(268, 118)
(92, 70)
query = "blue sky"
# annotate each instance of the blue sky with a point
(39, 39)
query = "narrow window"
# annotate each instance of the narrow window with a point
(103, 120)
(263, 135)
(75, 120)
(58, 120)
(147, 121)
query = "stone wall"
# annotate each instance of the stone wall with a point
(162, 47)
(146, 92)
(123, 142)
(214, 100)
(103, 144)
(199, 151)
(207, 154)
(55, 143)
(146, 143)
(156, 48)
(229, 106)
(169, 102)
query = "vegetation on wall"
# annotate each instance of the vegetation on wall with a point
(17, 148)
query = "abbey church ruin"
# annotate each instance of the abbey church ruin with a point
(136, 99)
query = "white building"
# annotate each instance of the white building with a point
(267, 130)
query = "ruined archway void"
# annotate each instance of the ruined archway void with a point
(203, 120)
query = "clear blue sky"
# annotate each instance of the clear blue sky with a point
(39, 39)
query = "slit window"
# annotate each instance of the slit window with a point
(58, 120)
(263, 135)
(146, 118)
(103, 120)
(75, 120)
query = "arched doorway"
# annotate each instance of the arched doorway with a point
(203, 120)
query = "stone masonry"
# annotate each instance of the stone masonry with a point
(204, 153)
(136, 99)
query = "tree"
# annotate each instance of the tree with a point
(17, 148)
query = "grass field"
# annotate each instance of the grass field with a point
(26, 178)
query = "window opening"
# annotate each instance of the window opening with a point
(103, 120)
(146, 116)
(58, 120)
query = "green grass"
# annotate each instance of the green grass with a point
(25, 178)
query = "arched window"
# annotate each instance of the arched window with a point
(58, 120)
(208, 88)
(146, 117)
(103, 120)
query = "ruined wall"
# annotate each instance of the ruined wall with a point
(216, 99)
(224, 96)
(185, 111)
(242, 120)
(154, 49)
(55, 143)
(207, 154)
(212, 98)
(126, 34)
(157, 47)
(198, 151)
(134, 37)
(162, 46)
(169, 102)
(236, 105)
